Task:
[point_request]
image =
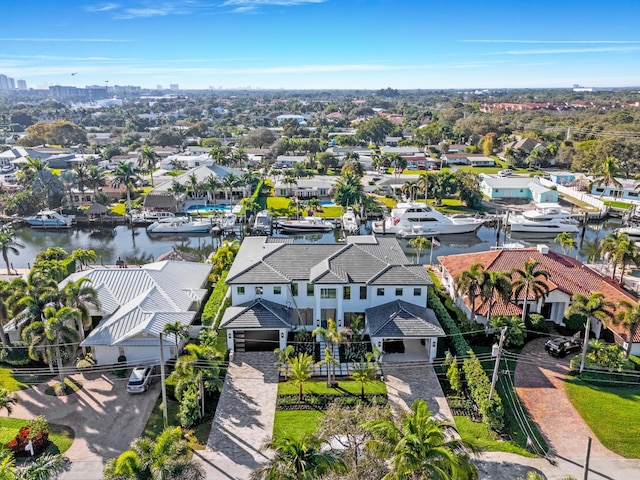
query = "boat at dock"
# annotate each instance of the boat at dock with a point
(546, 218)
(409, 218)
(307, 224)
(50, 219)
(180, 225)
(147, 217)
(350, 221)
(262, 222)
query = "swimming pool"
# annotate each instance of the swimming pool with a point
(207, 208)
(328, 204)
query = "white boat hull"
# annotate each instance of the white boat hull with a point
(180, 226)
(551, 228)
(441, 229)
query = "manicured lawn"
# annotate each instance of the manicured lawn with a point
(318, 386)
(119, 209)
(613, 413)
(278, 205)
(479, 435)
(453, 206)
(60, 435)
(13, 380)
(617, 204)
(296, 421)
(330, 212)
(155, 424)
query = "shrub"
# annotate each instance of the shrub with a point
(575, 322)
(121, 368)
(635, 360)
(453, 375)
(215, 301)
(458, 342)
(16, 355)
(189, 408)
(535, 321)
(480, 387)
(86, 362)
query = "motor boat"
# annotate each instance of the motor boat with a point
(227, 221)
(416, 231)
(545, 218)
(307, 224)
(406, 217)
(180, 225)
(50, 219)
(350, 221)
(146, 217)
(262, 222)
(629, 231)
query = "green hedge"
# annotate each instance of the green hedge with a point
(458, 342)
(480, 387)
(215, 300)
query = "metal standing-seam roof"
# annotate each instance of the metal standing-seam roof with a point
(399, 319)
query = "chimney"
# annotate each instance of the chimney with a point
(543, 249)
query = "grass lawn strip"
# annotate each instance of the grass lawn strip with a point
(612, 413)
(299, 422)
(10, 381)
(319, 387)
(479, 435)
(155, 424)
(60, 435)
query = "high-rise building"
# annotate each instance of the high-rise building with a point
(174, 86)
(4, 82)
(12, 83)
(22, 85)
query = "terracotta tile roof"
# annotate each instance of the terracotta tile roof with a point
(568, 275)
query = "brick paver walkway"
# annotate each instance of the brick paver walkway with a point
(540, 384)
(244, 418)
(409, 381)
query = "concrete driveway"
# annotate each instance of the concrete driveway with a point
(103, 415)
(540, 384)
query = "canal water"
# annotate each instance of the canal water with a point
(134, 243)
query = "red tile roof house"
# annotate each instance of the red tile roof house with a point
(568, 276)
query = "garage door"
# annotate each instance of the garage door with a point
(256, 340)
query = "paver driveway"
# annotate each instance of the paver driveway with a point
(103, 415)
(540, 384)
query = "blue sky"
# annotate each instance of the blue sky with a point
(322, 43)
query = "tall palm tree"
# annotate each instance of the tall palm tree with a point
(566, 241)
(96, 178)
(332, 337)
(530, 280)
(418, 447)
(300, 458)
(81, 171)
(178, 330)
(194, 185)
(9, 244)
(625, 253)
(80, 295)
(300, 371)
(606, 171)
(628, 316)
(84, 257)
(593, 306)
(6, 292)
(419, 243)
(423, 183)
(495, 284)
(609, 246)
(148, 159)
(469, 282)
(212, 184)
(229, 182)
(167, 457)
(125, 175)
(7, 401)
(58, 331)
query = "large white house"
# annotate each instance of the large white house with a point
(278, 286)
(135, 305)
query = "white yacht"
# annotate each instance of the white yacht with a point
(50, 219)
(350, 221)
(147, 216)
(548, 218)
(307, 224)
(410, 218)
(630, 231)
(227, 222)
(180, 225)
(262, 223)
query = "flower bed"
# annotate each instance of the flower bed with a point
(19, 444)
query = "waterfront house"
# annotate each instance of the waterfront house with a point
(135, 305)
(278, 287)
(627, 190)
(568, 277)
(319, 187)
(473, 159)
(494, 186)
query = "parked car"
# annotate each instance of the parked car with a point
(561, 346)
(6, 168)
(10, 179)
(140, 379)
(505, 173)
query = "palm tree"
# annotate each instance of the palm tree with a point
(193, 185)
(284, 357)
(418, 448)
(629, 316)
(566, 241)
(332, 337)
(9, 244)
(229, 182)
(363, 372)
(300, 458)
(96, 178)
(530, 281)
(167, 457)
(494, 284)
(45, 467)
(84, 257)
(148, 159)
(80, 295)
(125, 175)
(7, 401)
(609, 246)
(606, 171)
(178, 330)
(469, 282)
(58, 331)
(591, 250)
(423, 183)
(625, 253)
(81, 171)
(6, 292)
(212, 184)
(419, 243)
(300, 371)
(593, 306)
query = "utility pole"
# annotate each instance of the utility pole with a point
(497, 355)
(163, 385)
(585, 473)
(585, 344)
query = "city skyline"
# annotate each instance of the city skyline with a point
(316, 44)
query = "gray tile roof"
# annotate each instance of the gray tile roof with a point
(258, 314)
(402, 275)
(400, 319)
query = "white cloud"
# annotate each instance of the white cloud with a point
(74, 40)
(557, 51)
(259, 3)
(103, 7)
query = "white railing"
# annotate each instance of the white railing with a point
(581, 196)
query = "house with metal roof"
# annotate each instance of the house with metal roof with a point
(135, 305)
(279, 287)
(568, 277)
(494, 186)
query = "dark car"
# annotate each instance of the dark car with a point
(561, 346)
(140, 379)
